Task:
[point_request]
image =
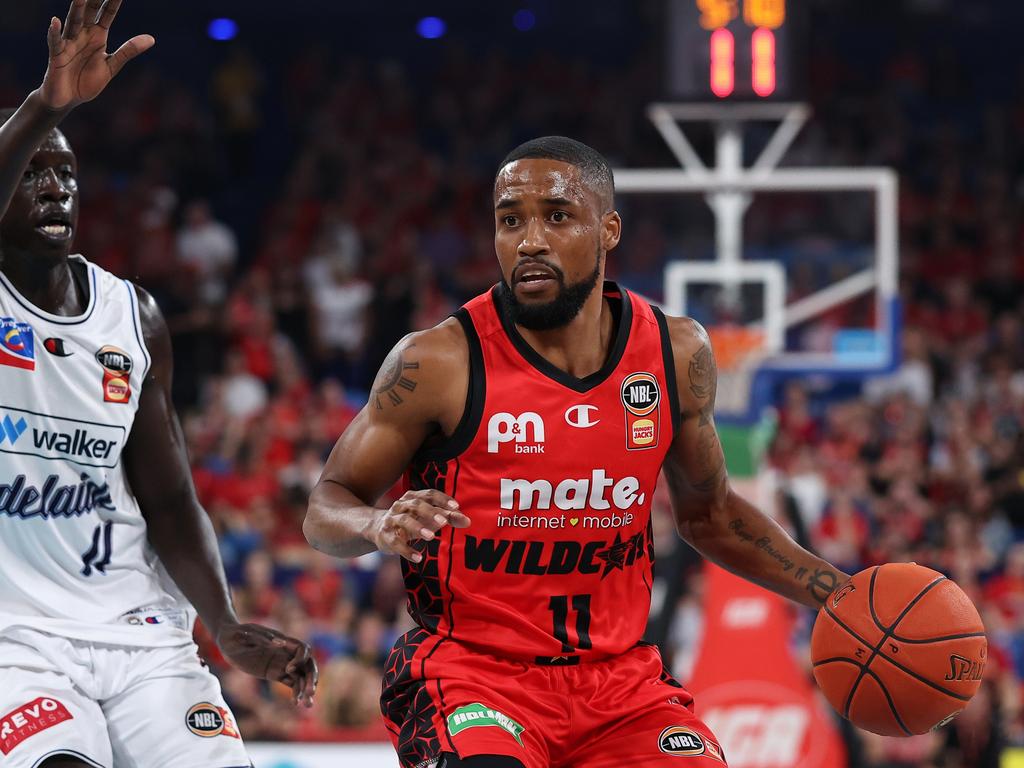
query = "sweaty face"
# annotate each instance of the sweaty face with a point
(43, 213)
(550, 235)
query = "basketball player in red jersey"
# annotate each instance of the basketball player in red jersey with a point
(532, 426)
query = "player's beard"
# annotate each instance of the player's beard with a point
(558, 312)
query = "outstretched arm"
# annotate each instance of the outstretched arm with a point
(181, 533)
(718, 523)
(79, 69)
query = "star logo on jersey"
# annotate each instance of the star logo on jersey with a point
(622, 553)
(17, 344)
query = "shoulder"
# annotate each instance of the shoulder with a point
(688, 338)
(426, 372)
(149, 311)
(154, 326)
(442, 347)
(694, 361)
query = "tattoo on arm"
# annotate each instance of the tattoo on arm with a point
(822, 583)
(764, 543)
(703, 381)
(396, 373)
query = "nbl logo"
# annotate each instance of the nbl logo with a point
(640, 393)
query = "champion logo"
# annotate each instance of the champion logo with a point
(12, 430)
(55, 346)
(579, 416)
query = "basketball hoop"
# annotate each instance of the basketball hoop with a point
(738, 351)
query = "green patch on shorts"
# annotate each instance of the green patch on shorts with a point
(474, 715)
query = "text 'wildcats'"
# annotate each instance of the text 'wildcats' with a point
(540, 558)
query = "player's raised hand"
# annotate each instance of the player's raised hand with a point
(417, 515)
(80, 67)
(268, 654)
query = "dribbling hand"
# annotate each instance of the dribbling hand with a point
(80, 67)
(417, 515)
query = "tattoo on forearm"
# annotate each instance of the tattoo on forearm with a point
(764, 543)
(395, 374)
(822, 583)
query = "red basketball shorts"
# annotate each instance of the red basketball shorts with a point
(439, 696)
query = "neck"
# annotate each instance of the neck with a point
(44, 281)
(580, 347)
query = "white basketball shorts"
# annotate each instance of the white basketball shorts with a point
(111, 705)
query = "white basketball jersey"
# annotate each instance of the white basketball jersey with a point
(74, 559)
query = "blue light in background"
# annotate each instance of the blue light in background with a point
(524, 19)
(431, 27)
(222, 29)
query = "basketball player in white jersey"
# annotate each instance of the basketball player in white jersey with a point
(104, 548)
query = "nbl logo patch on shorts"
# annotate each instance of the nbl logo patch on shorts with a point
(208, 720)
(29, 719)
(681, 741)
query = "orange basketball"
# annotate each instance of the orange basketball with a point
(899, 650)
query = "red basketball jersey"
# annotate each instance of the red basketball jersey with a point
(557, 475)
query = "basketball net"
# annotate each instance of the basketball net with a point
(738, 351)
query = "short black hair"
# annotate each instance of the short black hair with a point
(594, 168)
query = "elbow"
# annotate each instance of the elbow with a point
(704, 518)
(311, 529)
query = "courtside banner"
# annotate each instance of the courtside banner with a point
(761, 706)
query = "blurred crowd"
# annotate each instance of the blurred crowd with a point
(287, 275)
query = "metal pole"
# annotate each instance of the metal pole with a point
(729, 207)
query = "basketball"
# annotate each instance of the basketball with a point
(899, 650)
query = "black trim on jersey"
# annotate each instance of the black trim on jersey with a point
(670, 370)
(57, 319)
(459, 440)
(552, 371)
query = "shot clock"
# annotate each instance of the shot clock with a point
(735, 50)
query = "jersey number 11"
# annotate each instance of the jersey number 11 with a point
(559, 607)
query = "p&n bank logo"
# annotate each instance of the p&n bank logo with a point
(525, 430)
